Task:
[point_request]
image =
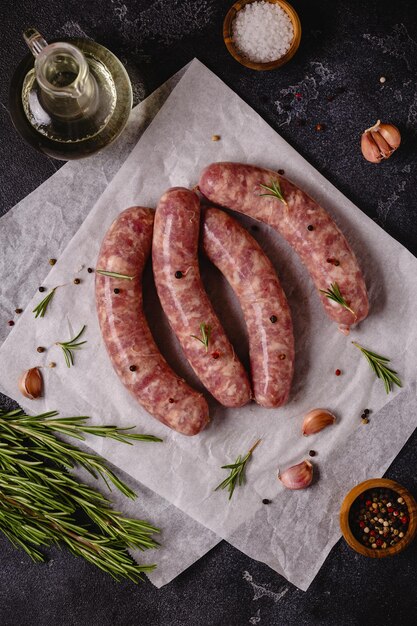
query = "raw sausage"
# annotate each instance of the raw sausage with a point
(185, 302)
(130, 345)
(303, 223)
(265, 308)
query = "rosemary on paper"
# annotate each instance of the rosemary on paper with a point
(114, 274)
(40, 309)
(69, 346)
(335, 294)
(274, 190)
(378, 364)
(205, 335)
(42, 503)
(237, 472)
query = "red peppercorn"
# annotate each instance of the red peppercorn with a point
(11, 323)
(390, 509)
(298, 95)
(338, 372)
(372, 533)
(368, 503)
(362, 524)
(215, 355)
(404, 520)
(379, 542)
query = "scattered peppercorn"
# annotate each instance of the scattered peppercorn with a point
(376, 518)
(266, 501)
(215, 355)
(132, 368)
(90, 270)
(40, 349)
(312, 453)
(76, 281)
(365, 420)
(366, 411)
(273, 319)
(282, 357)
(41, 289)
(215, 137)
(116, 290)
(11, 323)
(336, 262)
(281, 172)
(178, 274)
(320, 127)
(338, 372)
(18, 311)
(298, 95)
(310, 227)
(171, 400)
(52, 261)
(52, 364)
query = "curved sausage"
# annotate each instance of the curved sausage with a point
(265, 308)
(130, 345)
(303, 223)
(185, 302)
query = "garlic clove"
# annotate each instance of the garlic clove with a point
(369, 148)
(315, 420)
(298, 476)
(391, 134)
(384, 148)
(380, 141)
(31, 383)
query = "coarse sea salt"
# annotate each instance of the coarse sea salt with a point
(262, 31)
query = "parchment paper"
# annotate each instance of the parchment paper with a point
(40, 227)
(296, 532)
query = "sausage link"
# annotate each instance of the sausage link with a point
(265, 308)
(303, 223)
(129, 342)
(185, 302)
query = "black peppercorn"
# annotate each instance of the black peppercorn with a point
(312, 453)
(40, 349)
(281, 172)
(266, 501)
(366, 411)
(11, 323)
(18, 311)
(178, 274)
(116, 290)
(310, 227)
(41, 289)
(90, 270)
(52, 261)
(171, 400)
(76, 281)
(132, 368)
(273, 319)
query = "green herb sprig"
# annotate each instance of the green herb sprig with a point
(40, 309)
(69, 346)
(335, 294)
(41, 503)
(379, 366)
(274, 191)
(205, 335)
(237, 472)
(114, 274)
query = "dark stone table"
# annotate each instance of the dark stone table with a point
(346, 47)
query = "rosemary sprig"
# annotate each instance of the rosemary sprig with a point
(237, 472)
(335, 294)
(41, 503)
(274, 191)
(205, 335)
(40, 309)
(378, 364)
(69, 346)
(114, 274)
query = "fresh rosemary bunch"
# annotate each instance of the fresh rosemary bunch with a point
(41, 503)
(237, 472)
(378, 364)
(69, 346)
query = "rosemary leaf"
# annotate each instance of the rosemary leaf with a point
(40, 309)
(274, 191)
(335, 294)
(69, 346)
(205, 335)
(379, 366)
(114, 274)
(237, 473)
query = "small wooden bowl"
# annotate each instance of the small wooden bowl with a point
(272, 65)
(376, 483)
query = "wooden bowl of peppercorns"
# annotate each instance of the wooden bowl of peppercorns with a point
(378, 518)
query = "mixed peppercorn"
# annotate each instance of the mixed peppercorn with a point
(379, 518)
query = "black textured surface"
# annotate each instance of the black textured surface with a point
(346, 47)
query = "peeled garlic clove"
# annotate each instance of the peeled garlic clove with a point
(315, 420)
(298, 476)
(30, 383)
(379, 141)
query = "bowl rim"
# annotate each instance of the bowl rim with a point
(270, 65)
(374, 483)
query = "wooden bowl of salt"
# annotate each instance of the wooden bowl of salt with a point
(259, 37)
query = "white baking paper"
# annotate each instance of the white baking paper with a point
(295, 533)
(40, 227)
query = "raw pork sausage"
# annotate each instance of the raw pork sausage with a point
(185, 302)
(265, 308)
(130, 345)
(303, 223)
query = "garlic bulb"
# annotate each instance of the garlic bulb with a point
(380, 141)
(298, 476)
(30, 383)
(315, 420)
